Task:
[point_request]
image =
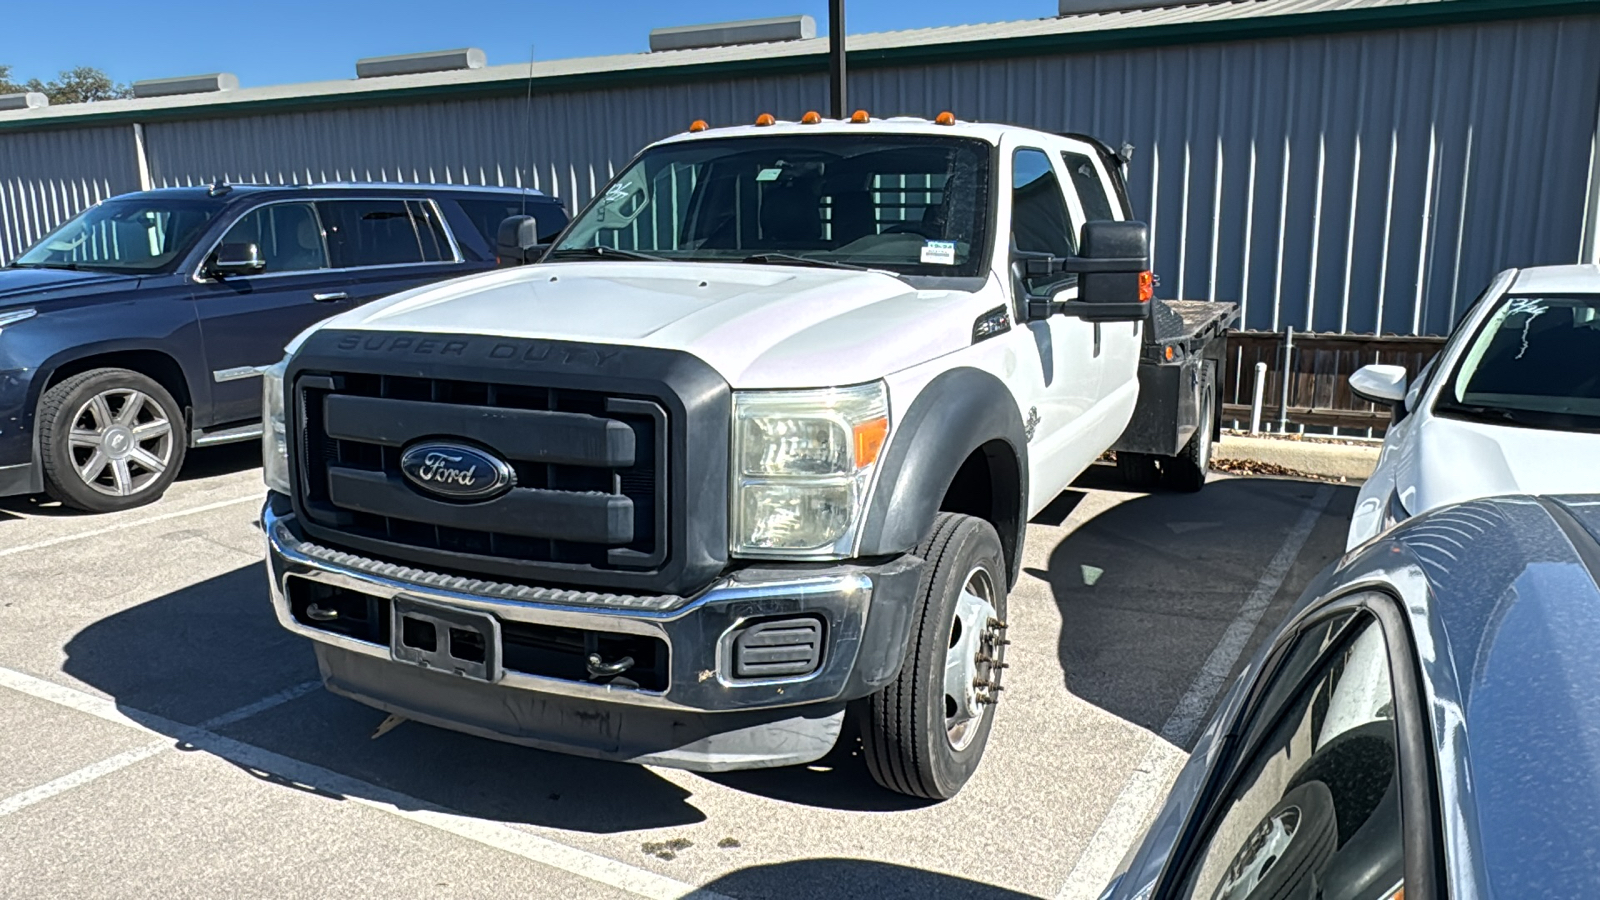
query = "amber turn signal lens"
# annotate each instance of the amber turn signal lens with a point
(945, 118)
(697, 126)
(765, 119)
(811, 118)
(860, 117)
(1147, 287)
(869, 437)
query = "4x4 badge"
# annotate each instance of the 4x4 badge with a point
(456, 471)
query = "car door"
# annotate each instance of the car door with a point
(387, 245)
(1062, 349)
(1314, 795)
(1117, 344)
(245, 320)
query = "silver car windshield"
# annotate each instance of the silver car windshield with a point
(131, 235)
(1533, 363)
(911, 204)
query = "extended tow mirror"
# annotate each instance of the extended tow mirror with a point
(517, 241)
(1113, 267)
(1380, 384)
(236, 259)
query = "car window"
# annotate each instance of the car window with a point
(1317, 803)
(377, 233)
(486, 214)
(288, 236)
(1097, 204)
(434, 239)
(1531, 364)
(135, 234)
(1039, 219)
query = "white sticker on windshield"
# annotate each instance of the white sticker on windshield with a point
(939, 253)
(769, 174)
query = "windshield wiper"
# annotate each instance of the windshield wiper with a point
(789, 259)
(70, 267)
(1482, 412)
(603, 253)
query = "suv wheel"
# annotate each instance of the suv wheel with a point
(925, 732)
(110, 439)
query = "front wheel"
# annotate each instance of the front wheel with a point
(925, 732)
(110, 439)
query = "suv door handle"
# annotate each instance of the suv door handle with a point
(330, 297)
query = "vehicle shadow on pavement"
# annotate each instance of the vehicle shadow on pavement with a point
(1148, 588)
(201, 462)
(213, 647)
(833, 877)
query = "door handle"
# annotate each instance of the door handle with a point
(330, 297)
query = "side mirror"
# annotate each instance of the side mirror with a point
(1380, 384)
(236, 259)
(1114, 279)
(517, 241)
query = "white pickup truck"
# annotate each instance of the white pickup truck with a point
(754, 443)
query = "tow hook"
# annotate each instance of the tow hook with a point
(599, 668)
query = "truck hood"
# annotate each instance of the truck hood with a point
(758, 326)
(1450, 460)
(19, 286)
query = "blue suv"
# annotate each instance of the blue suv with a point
(140, 328)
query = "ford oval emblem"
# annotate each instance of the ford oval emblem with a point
(456, 471)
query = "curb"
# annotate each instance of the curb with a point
(1336, 462)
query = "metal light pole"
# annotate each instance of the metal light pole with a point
(837, 98)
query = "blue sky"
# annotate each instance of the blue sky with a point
(311, 40)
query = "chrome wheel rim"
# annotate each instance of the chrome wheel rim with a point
(1262, 850)
(972, 661)
(120, 442)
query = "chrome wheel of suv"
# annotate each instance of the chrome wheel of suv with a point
(120, 442)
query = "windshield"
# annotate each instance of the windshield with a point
(131, 235)
(1535, 363)
(915, 205)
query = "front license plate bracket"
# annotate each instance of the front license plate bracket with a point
(445, 639)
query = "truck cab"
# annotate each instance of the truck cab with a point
(752, 447)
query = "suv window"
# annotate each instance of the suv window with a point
(383, 233)
(288, 235)
(486, 214)
(1097, 206)
(1318, 801)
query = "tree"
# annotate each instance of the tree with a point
(83, 84)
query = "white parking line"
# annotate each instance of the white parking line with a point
(509, 839)
(83, 776)
(1110, 841)
(130, 523)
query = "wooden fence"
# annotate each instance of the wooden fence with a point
(1318, 371)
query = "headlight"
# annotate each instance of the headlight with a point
(275, 431)
(802, 465)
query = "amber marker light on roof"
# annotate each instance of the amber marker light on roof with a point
(860, 117)
(811, 118)
(765, 119)
(697, 126)
(945, 118)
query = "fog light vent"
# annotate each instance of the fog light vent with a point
(778, 648)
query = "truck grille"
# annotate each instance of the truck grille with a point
(577, 501)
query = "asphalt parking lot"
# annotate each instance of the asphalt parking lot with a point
(161, 736)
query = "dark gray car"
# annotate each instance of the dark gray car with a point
(1426, 724)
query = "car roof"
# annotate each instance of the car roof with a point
(1580, 279)
(1506, 632)
(369, 187)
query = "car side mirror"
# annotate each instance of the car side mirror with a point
(236, 259)
(517, 241)
(1114, 279)
(1385, 385)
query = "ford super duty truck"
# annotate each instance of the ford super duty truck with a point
(752, 445)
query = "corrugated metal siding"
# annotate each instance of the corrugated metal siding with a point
(48, 177)
(1357, 182)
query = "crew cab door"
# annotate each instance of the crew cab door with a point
(1094, 188)
(245, 320)
(1060, 361)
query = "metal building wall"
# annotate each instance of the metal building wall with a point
(47, 177)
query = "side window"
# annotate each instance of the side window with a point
(487, 213)
(1097, 204)
(1318, 801)
(288, 235)
(378, 233)
(430, 232)
(1039, 219)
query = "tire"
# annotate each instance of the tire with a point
(917, 738)
(1187, 471)
(1273, 865)
(1138, 470)
(109, 440)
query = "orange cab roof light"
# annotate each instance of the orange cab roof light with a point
(945, 118)
(697, 126)
(811, 118)
(765, 119)
(860, 117)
